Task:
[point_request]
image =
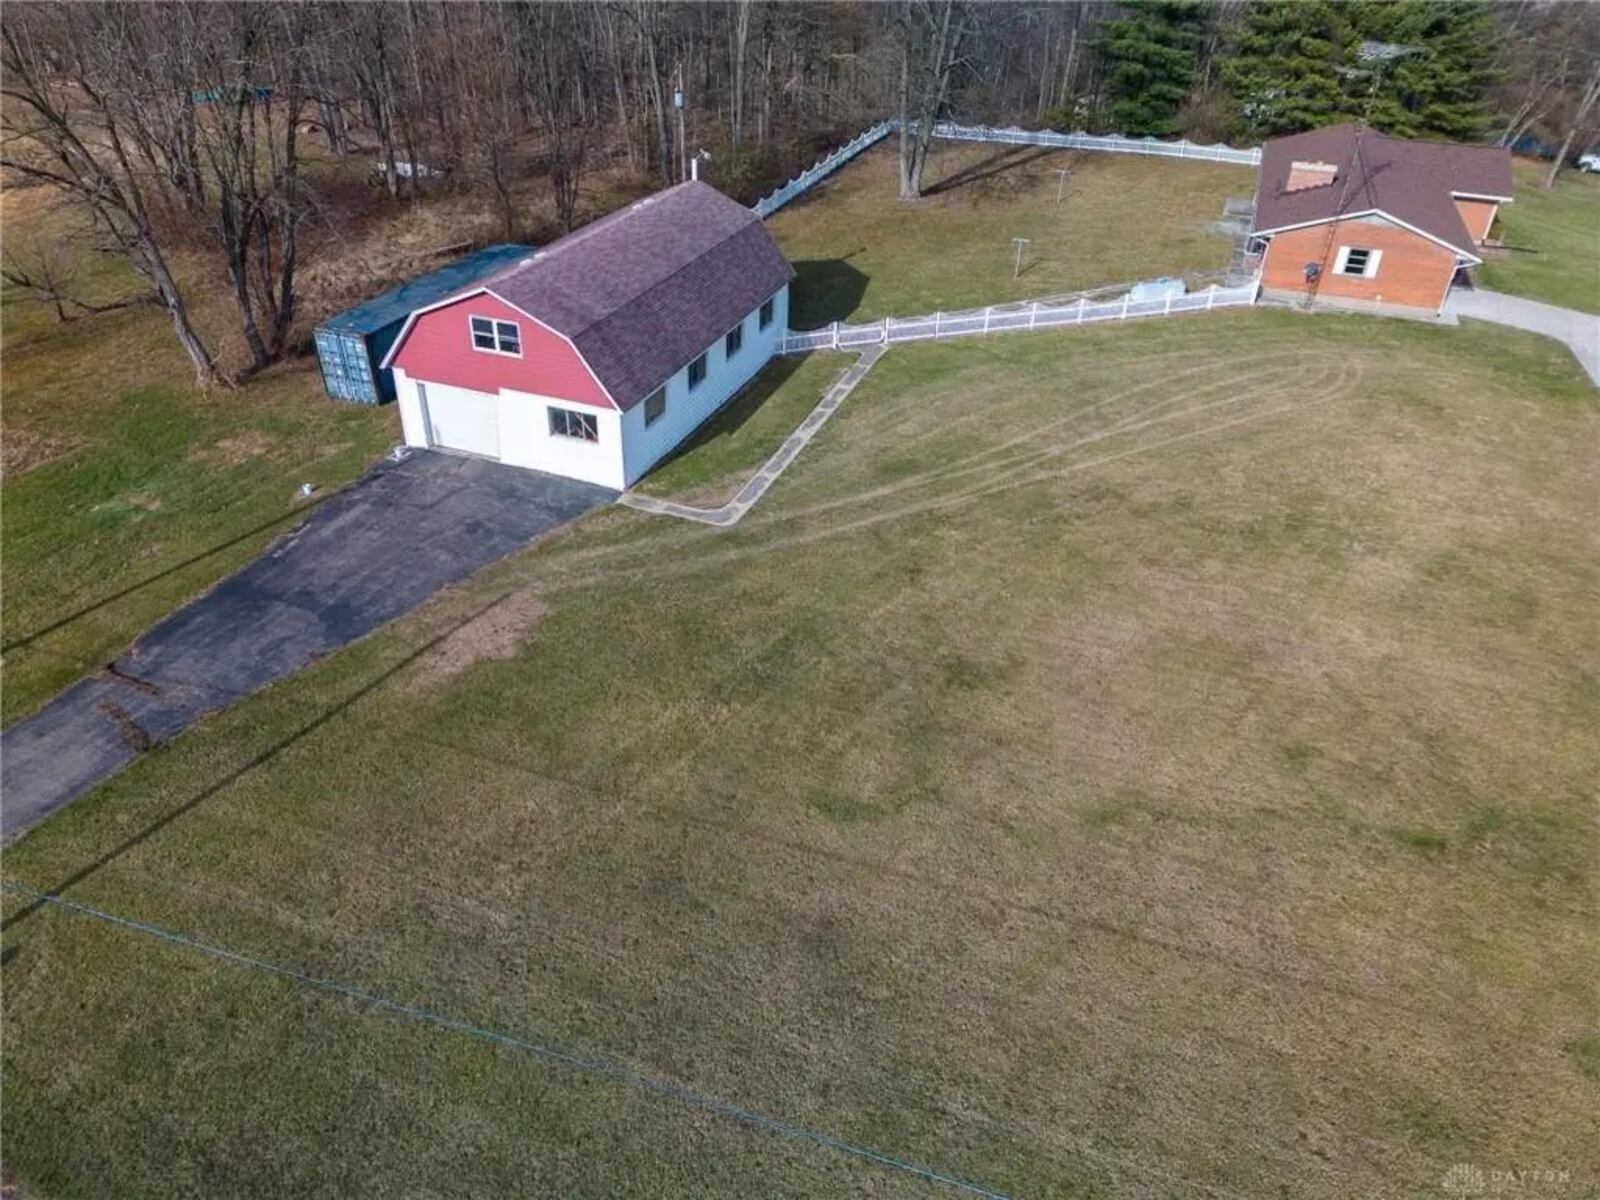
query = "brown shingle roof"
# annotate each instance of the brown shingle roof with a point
(643, 291)
(1410, 180)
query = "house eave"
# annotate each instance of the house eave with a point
(1473, 259)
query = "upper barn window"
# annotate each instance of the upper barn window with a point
(497, 337)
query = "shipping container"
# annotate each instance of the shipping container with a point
(351, 345)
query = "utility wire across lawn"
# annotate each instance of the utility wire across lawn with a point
(576, 1060)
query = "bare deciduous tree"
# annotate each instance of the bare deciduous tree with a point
(75, 121)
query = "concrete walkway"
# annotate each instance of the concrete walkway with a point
(373, 552)
(1579, 331)
(731, 512)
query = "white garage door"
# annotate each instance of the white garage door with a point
(461, 420)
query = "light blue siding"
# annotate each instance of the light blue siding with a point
(643, 446)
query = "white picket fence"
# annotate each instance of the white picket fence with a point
(820, 169)
(1112, 143)
(1012, 319)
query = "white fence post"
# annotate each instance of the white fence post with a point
(936, 317)
(1166, 310)
(1126, 296)
(1082, 300)
(1033, 317)
(886, 331)
(1211, 296)
(986, 313)
(836, 335)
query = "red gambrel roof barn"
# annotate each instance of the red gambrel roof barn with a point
(598, 354)
(1349, 214)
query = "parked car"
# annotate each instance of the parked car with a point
(1589, 163)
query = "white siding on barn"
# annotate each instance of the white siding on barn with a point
(524, 429)
(644, 446)
(526, 440)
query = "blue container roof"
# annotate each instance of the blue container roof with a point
(400, 303)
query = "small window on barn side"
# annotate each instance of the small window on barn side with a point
(766, 314)
(734, 340)
(697, 372)
(1356, 260)
(655, 406)
(564, 422)
(497, 337)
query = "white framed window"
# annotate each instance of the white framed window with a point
(766, 314)
(732, 344)
(655, 406)
(1357, 260)
(496, 337)
(566, 422)
(697, 372)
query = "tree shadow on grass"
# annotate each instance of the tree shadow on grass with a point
(825, 290)
(997, 163)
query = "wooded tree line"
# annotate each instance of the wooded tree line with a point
(164, 123)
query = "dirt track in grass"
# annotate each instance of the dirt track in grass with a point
(1144, 762)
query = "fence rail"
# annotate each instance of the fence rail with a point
(820, 169)
(1012, 320)
(1113, 143)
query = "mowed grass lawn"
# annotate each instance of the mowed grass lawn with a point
(1555, 240)
(862, 255)
(711, 466)
(127, 489)
(1152, 762)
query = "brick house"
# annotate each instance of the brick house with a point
(1347, 216)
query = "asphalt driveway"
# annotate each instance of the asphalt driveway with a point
(364, 557)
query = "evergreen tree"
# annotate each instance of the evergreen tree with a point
(1285, 74)
(1150, 59)
(1436, 82)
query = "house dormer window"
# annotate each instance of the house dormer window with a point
(496, 337)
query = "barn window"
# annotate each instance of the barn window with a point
(655, 406)
(734, 340)
(1354, 260)
(564, 422)
(766, 314)
(497, 337)
(697, 372)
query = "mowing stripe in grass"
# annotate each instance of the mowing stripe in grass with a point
(593, 1066)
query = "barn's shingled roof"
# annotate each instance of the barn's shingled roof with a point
(644, 290)
(1413, 181)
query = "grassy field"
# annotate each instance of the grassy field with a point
(1558, 233)
(1151, 762)
(862, 255)
(127, 488)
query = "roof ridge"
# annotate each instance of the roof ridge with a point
(665, 279)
